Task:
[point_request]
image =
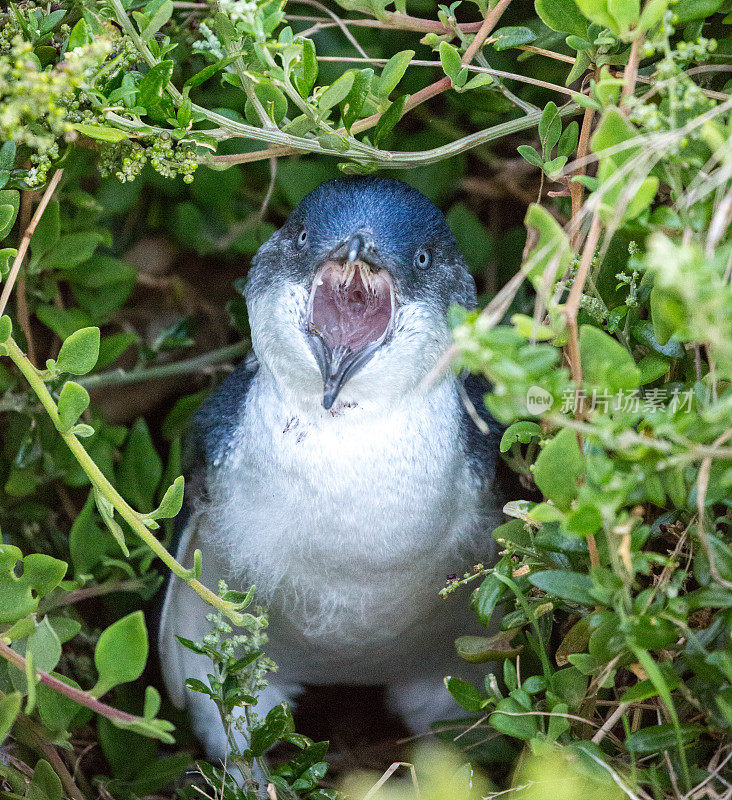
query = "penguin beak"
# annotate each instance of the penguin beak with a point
(350, 315)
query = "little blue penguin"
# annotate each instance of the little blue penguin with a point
(331, 473)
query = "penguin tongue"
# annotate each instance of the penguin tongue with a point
(351, 306)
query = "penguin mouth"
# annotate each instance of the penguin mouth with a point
(351, 314)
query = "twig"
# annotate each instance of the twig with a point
(489, 23)
(499, 73)
(120, 377)
(41, 743)
(388, 773)
(25, 241)
(571, 307)
(79, 595)
(631, 68)
(21, 298)
(77, 695)
(702, 483)
(609, 722)
(339, 22)
(576, 190)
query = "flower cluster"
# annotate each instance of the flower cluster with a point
(33, 100)
(166, 156)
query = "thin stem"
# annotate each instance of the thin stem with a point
(41, 743)
(25, 241)
(102, 484)
(120, 377)
(489, 23)
(555, 87)
(406, 160)
(77, 695)
(88, 592)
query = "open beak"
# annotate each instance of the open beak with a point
(350, 315)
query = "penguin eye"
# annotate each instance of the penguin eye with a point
(302, 238)
(423, 259)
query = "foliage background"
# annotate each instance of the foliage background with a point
(581, 151)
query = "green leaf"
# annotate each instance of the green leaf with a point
(7, 256)
(486, 597)
(79, 352)
(6, 328)
(522, 432)
(389, 119)
(63, 321)
(480, 649)
(79, 35)
(19, 594)
(352, 106)
(47, 232)
(652, 14)
(657, 738)
(7, 218)
(568, 585)
(10, 705)
(121, 653)
(71, 250)
(481, 79)
(273, 101)
(50, 21)
(624, 12)
(553, 245)
(7, 156)
(207, 72)
(614, 129)
(512, 36)
(476, 243)
(160, 18)
(88, 542)
(112, 347)
(172, 501)
(72, 402)
(306, 71)
(45, 783)
(153, 85)
(141, 468)
(550, 128)
(466, 695)
(689, 10)
(558, 468)
(597, 11)
(521, 727)
(645, 689)
(530, 154)
(102, 133)
(568, 140)
(651, 367)
(450, 60)
(337, 91)
(392, 73)
(605, 362)
(276, 724)
(562, 15)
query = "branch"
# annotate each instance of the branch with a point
(102, 484)
(77, 695)
(120, 377)
(25, 241)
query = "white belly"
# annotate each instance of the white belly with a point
(347, 523)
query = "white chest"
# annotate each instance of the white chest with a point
(336, 515)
